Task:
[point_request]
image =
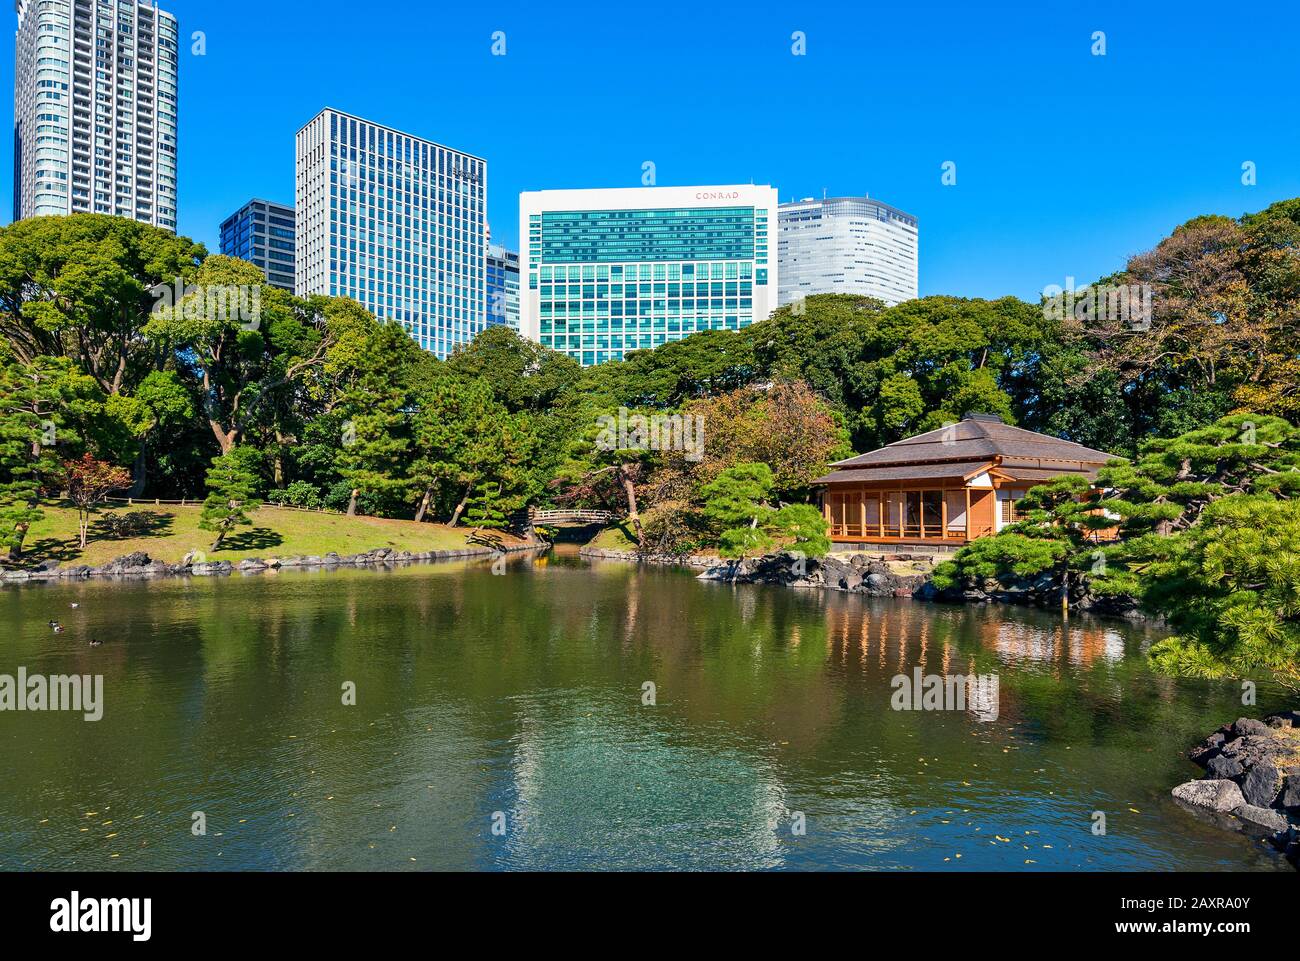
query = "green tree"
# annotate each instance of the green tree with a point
(232, 495)
(83, 287)
(1229, 587)
(735, 502)
(805, 528)
(455, 439)
(161, 404)
(36, 399)
(1063, 520)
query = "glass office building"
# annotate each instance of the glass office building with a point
(847, 245)
(395, 222)
(262, 233)
(610, 271)
(95, 110)
(502, 287)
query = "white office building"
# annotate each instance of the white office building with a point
(847, 245)
(395, 222)
(604, 272)
(95, 110)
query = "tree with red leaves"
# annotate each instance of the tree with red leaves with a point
(89, 482)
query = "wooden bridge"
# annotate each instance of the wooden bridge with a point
(568, 518)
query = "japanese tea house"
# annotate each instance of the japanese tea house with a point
(947, 487)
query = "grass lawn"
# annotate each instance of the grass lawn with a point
(172, 531)
(617, 538)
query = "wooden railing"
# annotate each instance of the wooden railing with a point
(198, 502)
(569, 517)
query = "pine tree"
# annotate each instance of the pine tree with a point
(232, 487)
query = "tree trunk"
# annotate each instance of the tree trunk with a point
(226, 438)
(352, 504)
(424, 504)
(140, 470)
(84, 526)
(630, 490)
(460, 508)
(1065, 591)
(20, 535)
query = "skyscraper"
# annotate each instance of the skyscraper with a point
(95, 110)
(262, 233)
(847, 245)
(394, 222)
(502, 287)
(609, 271)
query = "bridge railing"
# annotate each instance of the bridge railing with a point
(574, 516)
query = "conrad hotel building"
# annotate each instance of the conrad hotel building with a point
(604, 272)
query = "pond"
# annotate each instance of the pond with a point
(566, 714)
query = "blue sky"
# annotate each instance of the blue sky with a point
(1066, 162)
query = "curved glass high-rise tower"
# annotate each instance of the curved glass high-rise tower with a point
(95, 86)
(847, 245)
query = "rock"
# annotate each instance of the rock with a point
(1252, 749)
(1247, 725)
(1207, 749)
(1223, 767)
(1291, 792)
(1261, 785)
(1211, 794)
(252, 564)
(129, 562)
(1262, 819)
(212, 569)
(1279, 722)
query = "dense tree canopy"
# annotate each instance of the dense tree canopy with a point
(132, 346)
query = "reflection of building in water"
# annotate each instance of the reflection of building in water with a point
(899, 636)
(1080, 645)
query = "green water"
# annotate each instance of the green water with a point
(523, 694)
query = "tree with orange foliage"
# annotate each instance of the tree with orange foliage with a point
(89, 482)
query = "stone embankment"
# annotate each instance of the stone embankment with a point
(872, 575)
(697, 561)
(141, 565)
